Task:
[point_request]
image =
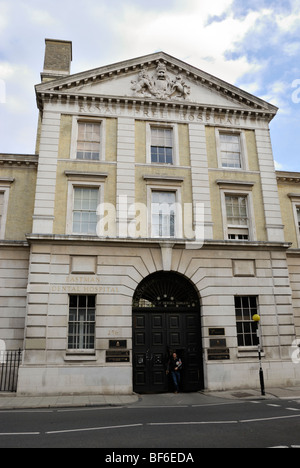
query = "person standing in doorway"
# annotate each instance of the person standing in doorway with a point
(174, 366)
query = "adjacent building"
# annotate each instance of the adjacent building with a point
(150, 219)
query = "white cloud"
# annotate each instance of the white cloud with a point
(288, 23)
(17, 73)
(18, 81)
(41, 17)
(16, 104)
(282, 167)
(278, 166)
(253, 87)
(291, 48)
(7, 70)
(279, 93)
(186, 33)
(241, 48)
(4, 16)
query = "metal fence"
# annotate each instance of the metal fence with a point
(9, 367)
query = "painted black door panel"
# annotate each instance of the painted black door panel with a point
(155, 336)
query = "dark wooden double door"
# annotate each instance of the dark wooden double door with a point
(156, 334)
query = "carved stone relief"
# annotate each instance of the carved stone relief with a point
(160, 85)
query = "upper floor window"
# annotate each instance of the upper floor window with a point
(1, 207)
(237, 217)
(4, 195)
(298, 217)
(88, 141)
(161, 145)
(295, 199)
(231, 149)
(163, 211)
(237, 209)
(230, 145)
(85, 197)
(86, 200)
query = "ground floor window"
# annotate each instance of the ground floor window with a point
(81, 329)
(245, 308)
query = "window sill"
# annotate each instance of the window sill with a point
(231, 168)
(154, 178)
(80, 355)
(231, 183)
(82, 174)
(249, 352)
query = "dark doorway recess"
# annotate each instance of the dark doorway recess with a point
(166, 318)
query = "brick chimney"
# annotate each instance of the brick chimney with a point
(58, 58)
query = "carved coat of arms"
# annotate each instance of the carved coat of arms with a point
(160, 85)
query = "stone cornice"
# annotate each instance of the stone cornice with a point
(17, 160)
(288, 177)
(142, 242)
(89, 101)
(13, 243)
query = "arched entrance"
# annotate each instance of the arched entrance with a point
(166, 318)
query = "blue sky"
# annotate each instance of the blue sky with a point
(252, 44)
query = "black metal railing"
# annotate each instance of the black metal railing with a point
(9, 368)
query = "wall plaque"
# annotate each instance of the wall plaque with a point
(216, 331)
(217, 343)
(117, 356)
(218, 354)
(117, 344)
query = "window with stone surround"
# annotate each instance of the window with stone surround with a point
(297, 220)
(237, 217)
(245, 308)
(81, 326)
(88, 141)
(295, 203)
(85, 205)
(4, 196)
(230, 145)
(163, 210)
(237, 209)
(161, 145)
(1, 208)
(298, 217)
(231, 149)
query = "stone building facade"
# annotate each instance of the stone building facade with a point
(150, 219)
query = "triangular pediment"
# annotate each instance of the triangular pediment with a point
(157, 77)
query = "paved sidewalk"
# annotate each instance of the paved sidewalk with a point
(283, 393)
(9, 401)
(13, 401)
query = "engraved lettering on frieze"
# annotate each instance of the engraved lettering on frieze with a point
(166, 91)
(160, 85)
(81, 289)
(83, 285)
(206, 116)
